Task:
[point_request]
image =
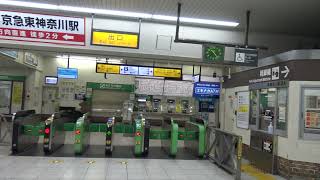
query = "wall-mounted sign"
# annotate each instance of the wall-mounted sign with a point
(246, 57)
(20, 26)
(272, 74)
(168, 73)
(115, 39)
(145, 71)
(213, 53)
(108, 86)
(243, 110)
(10, 53)
(30, 59)
(129, 70)
(206, 89)
(107, 68)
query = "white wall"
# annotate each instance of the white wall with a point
(294, 147)
(228, 106)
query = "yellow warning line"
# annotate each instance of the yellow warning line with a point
(248, 169)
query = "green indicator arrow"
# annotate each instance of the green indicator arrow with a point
(109, 133)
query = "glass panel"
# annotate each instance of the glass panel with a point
(267, 106)
(312, 108)
(281, 121)
(253, 107)
(5, 95)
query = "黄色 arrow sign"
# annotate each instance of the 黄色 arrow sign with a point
(286, 71)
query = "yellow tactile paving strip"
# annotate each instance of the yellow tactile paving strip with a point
(252, 171)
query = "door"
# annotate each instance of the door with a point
(5, 96)
(50, 101)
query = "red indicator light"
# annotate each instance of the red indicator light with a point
(181, 135)
(47, 131)
(78, 131)
(40, 131)
(138, 133)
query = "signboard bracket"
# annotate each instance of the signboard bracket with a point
(192, 41)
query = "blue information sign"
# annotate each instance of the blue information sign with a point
(206, 89)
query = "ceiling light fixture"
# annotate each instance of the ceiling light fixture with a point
(116, 13)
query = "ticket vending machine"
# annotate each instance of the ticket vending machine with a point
(156, 105)
(171, 105)
(109, 132)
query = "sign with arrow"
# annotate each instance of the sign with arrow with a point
(286, 71)
(21, 26)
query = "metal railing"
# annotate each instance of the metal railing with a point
(225, 149)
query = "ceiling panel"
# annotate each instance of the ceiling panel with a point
(279, 16)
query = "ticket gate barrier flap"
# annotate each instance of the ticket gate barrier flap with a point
(20, 140)
(196, 146)
(69, 126)
(82, 134)
(159, 134)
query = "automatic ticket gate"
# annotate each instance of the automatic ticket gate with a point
(196, 145)
(170, 144)
(54, 133)
(109, 133)
(22, 132)
(141, 136)
(82, 134)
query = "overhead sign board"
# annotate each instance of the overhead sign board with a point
(107, 68)
(115, 39)
(145, 71)
(272, 74)
(246, 57)
(168, 73)
(20, 26)
(129, 70)
(206, 89)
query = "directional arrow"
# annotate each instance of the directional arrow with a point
(67, 37)
(286, 71)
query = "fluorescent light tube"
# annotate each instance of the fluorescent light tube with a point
(28, 4)
(116, 13)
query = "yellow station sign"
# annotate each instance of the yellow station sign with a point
(164, 72)
(108, 68)
(116, 39)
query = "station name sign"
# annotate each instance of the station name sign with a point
(21, 26)
(115, 39)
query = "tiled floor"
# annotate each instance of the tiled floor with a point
(47, 168)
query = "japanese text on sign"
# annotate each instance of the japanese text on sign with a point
(42, 28)
(119, 39)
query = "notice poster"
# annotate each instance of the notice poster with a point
(17, 92)
(243, 110)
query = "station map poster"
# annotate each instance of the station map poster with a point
(243, 110)
(206, 89)
(43, 28)
(178, 88)
(149, 86)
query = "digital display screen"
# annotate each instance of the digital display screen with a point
(67, 73)
(51, 80)
(145, 71)
(129, 70)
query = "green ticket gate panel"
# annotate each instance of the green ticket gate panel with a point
(138, 137)
(109, 132)
(82, 134)
(194, 139)
(170, 145)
